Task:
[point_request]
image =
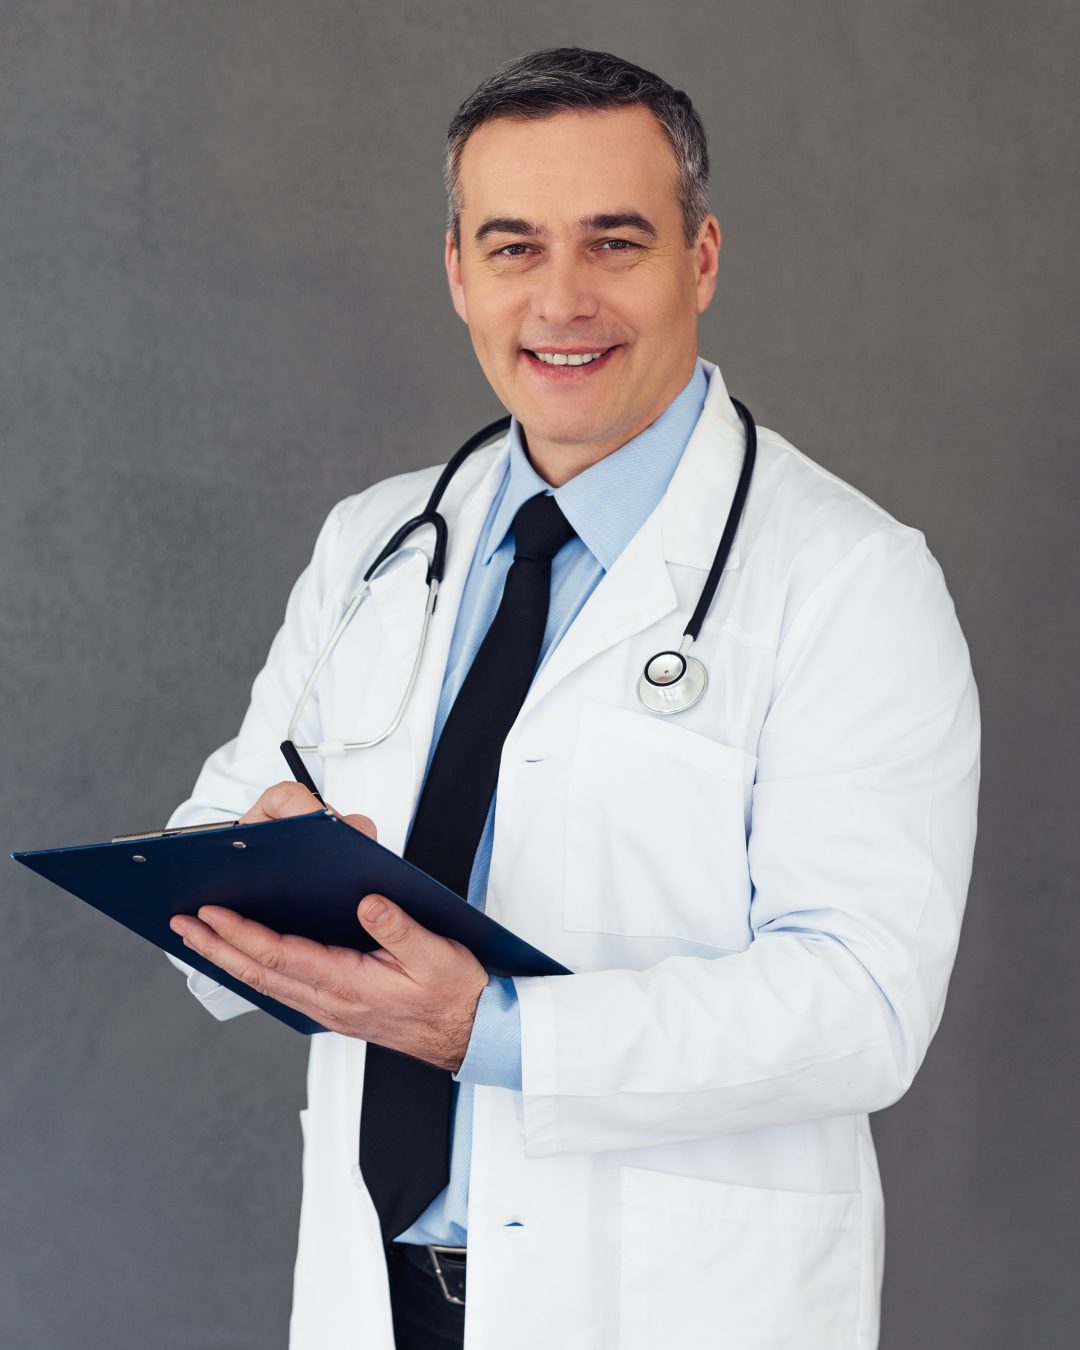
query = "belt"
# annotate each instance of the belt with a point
(447, 1264)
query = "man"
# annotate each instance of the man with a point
(759, 898)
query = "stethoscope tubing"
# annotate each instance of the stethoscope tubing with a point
(727, 538)
(430, 514)
(666, 694)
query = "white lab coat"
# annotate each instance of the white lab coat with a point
(760, 899)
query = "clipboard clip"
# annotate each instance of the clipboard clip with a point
(177, 829)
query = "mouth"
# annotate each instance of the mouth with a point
(567, 364)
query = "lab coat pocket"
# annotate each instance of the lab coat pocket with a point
(705, 1264)
(657, 823)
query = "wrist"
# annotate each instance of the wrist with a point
(457, 1030)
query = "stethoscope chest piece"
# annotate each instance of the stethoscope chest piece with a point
(671, 682)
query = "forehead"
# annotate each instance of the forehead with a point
(572, 164)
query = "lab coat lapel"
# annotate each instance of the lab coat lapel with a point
(398, 595)
(636, 593)
(683, 530)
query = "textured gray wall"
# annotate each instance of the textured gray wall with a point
(220, 288)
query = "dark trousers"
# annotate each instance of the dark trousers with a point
(424, 1318)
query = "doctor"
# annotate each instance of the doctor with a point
(760, 897)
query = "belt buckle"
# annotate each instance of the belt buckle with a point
(434, 1253)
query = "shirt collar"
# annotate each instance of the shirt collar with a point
(610, 501)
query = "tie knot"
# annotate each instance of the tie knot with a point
(540, 529)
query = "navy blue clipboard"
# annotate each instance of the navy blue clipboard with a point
(304, 875)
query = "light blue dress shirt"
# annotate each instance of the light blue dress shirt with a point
(606, 504)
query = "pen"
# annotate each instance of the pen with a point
(299, 771)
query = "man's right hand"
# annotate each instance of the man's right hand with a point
(416, 993)
(293, 799)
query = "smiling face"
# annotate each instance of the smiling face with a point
(575, 278)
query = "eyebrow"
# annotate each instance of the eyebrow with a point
(607, 220)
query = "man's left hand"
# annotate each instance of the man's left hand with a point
(416, 992)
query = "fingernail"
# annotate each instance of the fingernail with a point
(375, 911)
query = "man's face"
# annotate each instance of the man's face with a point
(572, 244)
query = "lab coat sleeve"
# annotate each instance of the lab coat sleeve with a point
(234, 776)
(860, 848)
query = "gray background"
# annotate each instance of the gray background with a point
(221, 296)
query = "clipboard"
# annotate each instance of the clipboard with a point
(304, 875)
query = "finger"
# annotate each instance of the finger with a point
(279, 801)
(333, 971)
(362, 823)
(202, 938)
(415, 947)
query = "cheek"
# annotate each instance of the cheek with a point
(492, 323)
(667, 316)
(649, 300)
(673, 295)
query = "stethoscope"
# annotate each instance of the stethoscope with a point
(671, 682)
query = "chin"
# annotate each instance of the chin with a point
(562, 433)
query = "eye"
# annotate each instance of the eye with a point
(618, 245)
(511, 250)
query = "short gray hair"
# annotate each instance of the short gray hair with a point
(571, 79)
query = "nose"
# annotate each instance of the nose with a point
(564, 290)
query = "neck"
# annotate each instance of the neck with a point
(557, 463)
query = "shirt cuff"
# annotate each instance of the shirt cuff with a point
(494, 1054)
(214, 997)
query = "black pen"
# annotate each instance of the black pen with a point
(299, 770)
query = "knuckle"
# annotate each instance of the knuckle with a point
(285, 799)
(395, 930)
(342, 989)
(335, 990)
(253, 975)
(324, 1001)
(273, 958)
(331, 1007)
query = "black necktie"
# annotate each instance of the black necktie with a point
(405, 1118)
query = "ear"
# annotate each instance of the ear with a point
(453, 277)
(706, 261)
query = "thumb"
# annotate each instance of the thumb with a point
(362, 823)
(392, 928)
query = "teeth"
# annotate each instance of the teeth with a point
(566, 358)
